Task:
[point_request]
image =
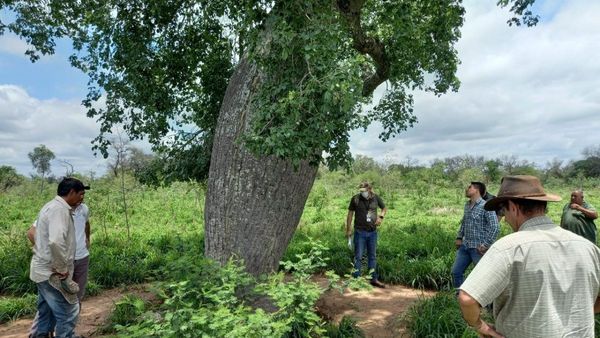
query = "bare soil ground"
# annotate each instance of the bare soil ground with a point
(94, 313)
(376, 312)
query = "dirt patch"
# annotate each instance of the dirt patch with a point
(94, 313)
(376, 312)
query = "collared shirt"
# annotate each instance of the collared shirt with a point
(54, 247)
(365, 211)
(478, 226)
(543, 281)
(578, 222)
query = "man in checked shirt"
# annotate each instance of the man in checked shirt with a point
(478, 230)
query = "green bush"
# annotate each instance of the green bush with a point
(207, 300)
(438, 316)
(345, 329)
(128, 309)
(15, 255)
(12, 308)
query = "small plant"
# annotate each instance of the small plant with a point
(438, 316)
(347, 328)
(126, 310)
(13, 308)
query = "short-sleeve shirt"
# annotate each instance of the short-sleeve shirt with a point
(365, 211)
(543, 281)
(577, 222)
(80, 218)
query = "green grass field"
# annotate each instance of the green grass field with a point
(416, 241)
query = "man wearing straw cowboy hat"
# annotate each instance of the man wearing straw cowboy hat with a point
(542, 279)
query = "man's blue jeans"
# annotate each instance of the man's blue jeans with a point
(55, 313)
(464, 257)
(362, 240)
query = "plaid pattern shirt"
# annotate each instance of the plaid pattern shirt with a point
(478, 226)
(543, 281)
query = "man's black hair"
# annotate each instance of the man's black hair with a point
(480, 186)
(528, 207)
(68, 183)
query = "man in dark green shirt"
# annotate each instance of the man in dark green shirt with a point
(578, 217)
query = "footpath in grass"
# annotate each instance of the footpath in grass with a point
(377, 313)
(95, 312)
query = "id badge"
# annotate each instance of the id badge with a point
(369, 218)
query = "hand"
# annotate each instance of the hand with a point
(348, 233)
(378, 221)
(486, 330)
(482, 249)
(62, 275)
(574, 206)
(458, 243)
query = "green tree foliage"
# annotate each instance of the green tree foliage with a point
(163, 66)
(40, 159)
(590, 167)
(9, 177)
(492, 170)
(364, 163)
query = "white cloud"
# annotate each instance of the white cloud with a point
(62, 126)
(531, 92)
(11, 44)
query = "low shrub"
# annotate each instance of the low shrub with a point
(12, 308)
(438, 316)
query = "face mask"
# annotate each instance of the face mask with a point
(365, 194)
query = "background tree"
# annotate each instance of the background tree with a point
(271, 86)
(69, 170)
(363, 163)
(40, 159)
(9, 178)
(491, 169)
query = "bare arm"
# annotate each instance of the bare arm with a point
(380, 218)
(589, 213)
(31, 234)
(349, 223)
(87, 234)
(471, 313)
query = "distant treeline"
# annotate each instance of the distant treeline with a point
(147, 168)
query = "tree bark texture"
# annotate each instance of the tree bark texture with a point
(253, 204)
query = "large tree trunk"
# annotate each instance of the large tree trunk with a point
(253, 204)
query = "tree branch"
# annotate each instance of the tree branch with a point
(351, 12)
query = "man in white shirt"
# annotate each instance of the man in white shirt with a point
(53, 254)
(81, 216)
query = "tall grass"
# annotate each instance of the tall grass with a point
(415, 240)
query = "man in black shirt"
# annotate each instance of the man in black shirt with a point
(364, 205)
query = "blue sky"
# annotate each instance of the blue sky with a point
(529, 92)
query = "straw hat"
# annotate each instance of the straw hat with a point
(364, 186)
(520, 187)
(67, 287)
